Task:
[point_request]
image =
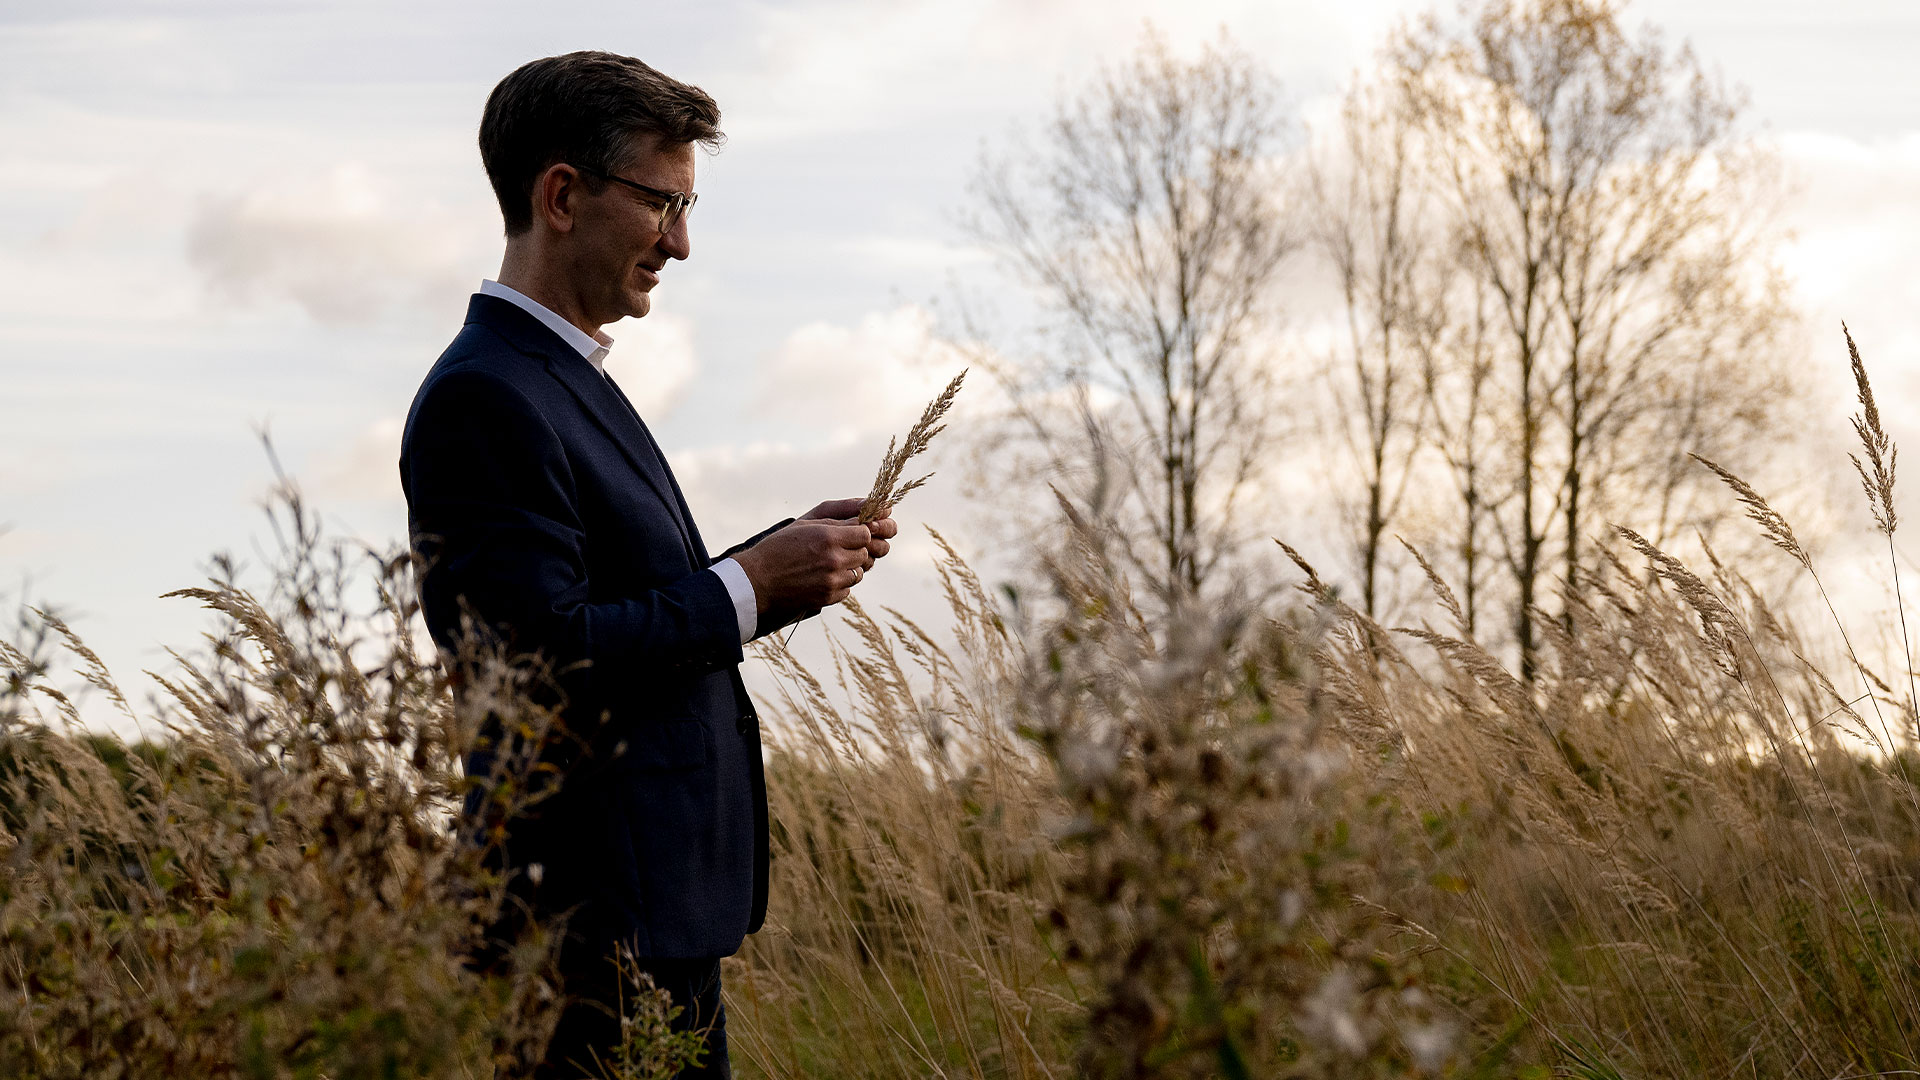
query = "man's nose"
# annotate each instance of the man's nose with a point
(675, 242)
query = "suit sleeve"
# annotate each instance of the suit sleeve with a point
(495, 517)
(768, 622)
(754, 539)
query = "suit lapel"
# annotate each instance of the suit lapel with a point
(610, 410)
(691, 530)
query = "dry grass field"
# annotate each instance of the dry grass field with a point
(1236, 843)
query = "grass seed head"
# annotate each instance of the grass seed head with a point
(887, 487)
(1876, 473)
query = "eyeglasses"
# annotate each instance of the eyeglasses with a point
(673, 204)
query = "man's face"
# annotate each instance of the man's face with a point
(620, 250)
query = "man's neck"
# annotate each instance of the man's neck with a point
(523, 275)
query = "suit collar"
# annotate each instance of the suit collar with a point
(592, 346)
(520, 328)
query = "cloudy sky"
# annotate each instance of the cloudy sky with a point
(230, 215)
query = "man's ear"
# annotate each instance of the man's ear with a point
(555, 192)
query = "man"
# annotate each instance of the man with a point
(539, 503)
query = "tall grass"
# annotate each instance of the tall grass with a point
(1280, 842)
(1314, 845)
(272, 886)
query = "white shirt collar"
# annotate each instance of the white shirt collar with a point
(592, 347)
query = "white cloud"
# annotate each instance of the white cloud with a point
(858, 65)
(1857, 217)
(654, 360)
(368, 469)
(19, 545)
(1856, 228)
(24, 472)
(873, 377)
(339, 246)
(915, 252)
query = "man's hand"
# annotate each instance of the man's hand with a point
(846, 510)
(808, 565)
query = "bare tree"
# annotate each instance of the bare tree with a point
(1146, 226)
(1598, 184)
(1456, 375)
(1366, 219)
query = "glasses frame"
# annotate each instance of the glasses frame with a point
(673, 204)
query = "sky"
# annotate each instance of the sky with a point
(226, 217)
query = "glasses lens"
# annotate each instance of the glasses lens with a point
(675, 209)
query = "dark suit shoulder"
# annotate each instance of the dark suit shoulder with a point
(501, 341)
(482, 350)
(472, 387)
(483, 367)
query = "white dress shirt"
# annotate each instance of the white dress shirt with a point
(593, 349)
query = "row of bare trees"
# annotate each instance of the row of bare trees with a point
(1551, 249)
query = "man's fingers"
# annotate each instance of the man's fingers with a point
(884, 528)
(850, 536)
(877, 549)
(840, 508)
(843, 533)
(837, 509)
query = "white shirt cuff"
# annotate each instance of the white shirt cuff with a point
(746, 606)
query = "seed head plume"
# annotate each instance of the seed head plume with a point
(1441, 589)
(1878, 481)
(1313, 585)
(1719, 625)
(1769, 519)
(1876, 475)
(887, 488)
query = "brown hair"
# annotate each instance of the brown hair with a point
(583, 108)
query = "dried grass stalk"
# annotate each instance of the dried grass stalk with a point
(1876, 475)
(887, 488)
(1770, 520)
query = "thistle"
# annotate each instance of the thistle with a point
(887, 488)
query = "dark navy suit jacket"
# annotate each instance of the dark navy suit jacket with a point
(538, 500)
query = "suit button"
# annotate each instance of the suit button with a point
(745, 724)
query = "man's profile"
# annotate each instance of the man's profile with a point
(539, 501)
